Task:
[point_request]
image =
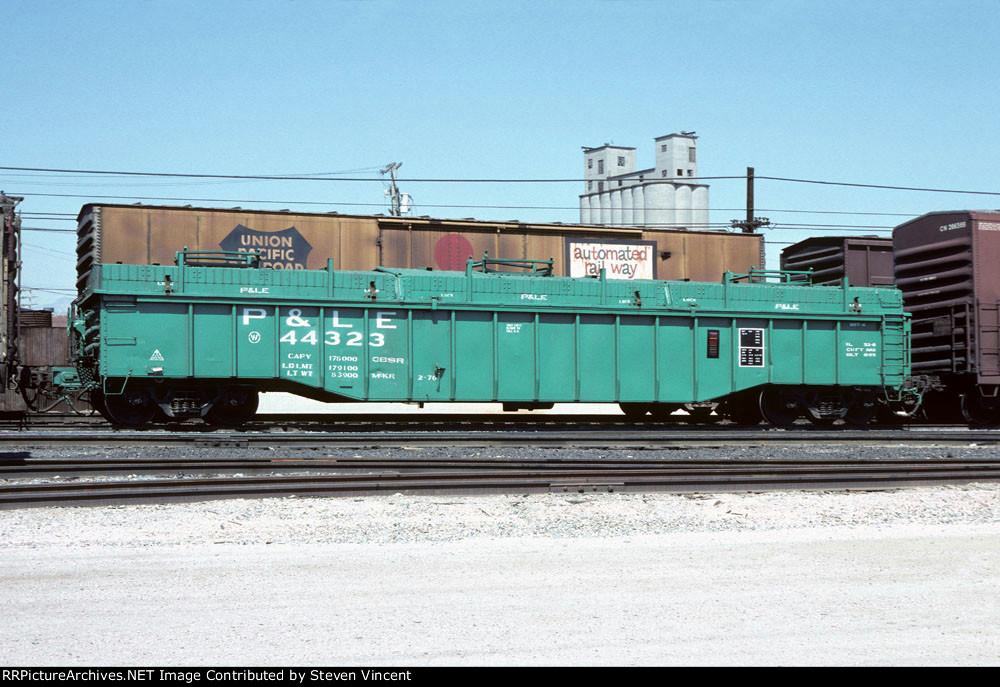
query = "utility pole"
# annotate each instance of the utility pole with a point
(751, 224)
(395, 201)
(10, 286)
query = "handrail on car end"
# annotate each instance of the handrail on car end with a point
(758, 276)
(217, 258)
(539, 268)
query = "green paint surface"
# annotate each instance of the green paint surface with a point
(453, 336)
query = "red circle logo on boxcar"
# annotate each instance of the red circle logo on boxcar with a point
(452, 252)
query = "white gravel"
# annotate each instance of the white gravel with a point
(836, 578)
(398, 518)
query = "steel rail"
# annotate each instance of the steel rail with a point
(264, 422)
(22, 467)
(542, 438)
(676, 481)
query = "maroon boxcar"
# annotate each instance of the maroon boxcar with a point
(866, 260)
(947, 268)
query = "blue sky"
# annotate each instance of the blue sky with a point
(895, 93)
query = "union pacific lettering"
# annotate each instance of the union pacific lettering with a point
(275, 258)
(280, 250)
(271, 241)
(276, 252)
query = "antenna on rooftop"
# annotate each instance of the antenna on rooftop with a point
(392, 193)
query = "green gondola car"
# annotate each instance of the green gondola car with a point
(201, 338)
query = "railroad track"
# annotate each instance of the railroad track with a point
(554, 436)
(402, 421)
(264, 420)
(23, 465)
(365, 477)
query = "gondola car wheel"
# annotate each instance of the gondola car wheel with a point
(862, 411)
(776, 408)
(131, 408)
(97, 401)
(236, 407)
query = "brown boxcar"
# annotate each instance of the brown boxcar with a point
(10, 238)
(144, 234)
(42, 342)
(946, 267)
(866, 260)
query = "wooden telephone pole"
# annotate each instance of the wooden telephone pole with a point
(751, 224)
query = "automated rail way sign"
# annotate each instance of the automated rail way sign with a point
(619, 259)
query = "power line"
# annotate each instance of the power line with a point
(327, 177)
(46, 248)
(68, 216)
(780, 225)
(290, 175)
(825, 212)
(275, 177)
(881, 186)
(423, 205)
(23, 178)
(716, 226)
(51, 252)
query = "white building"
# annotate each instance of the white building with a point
(667, 196)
